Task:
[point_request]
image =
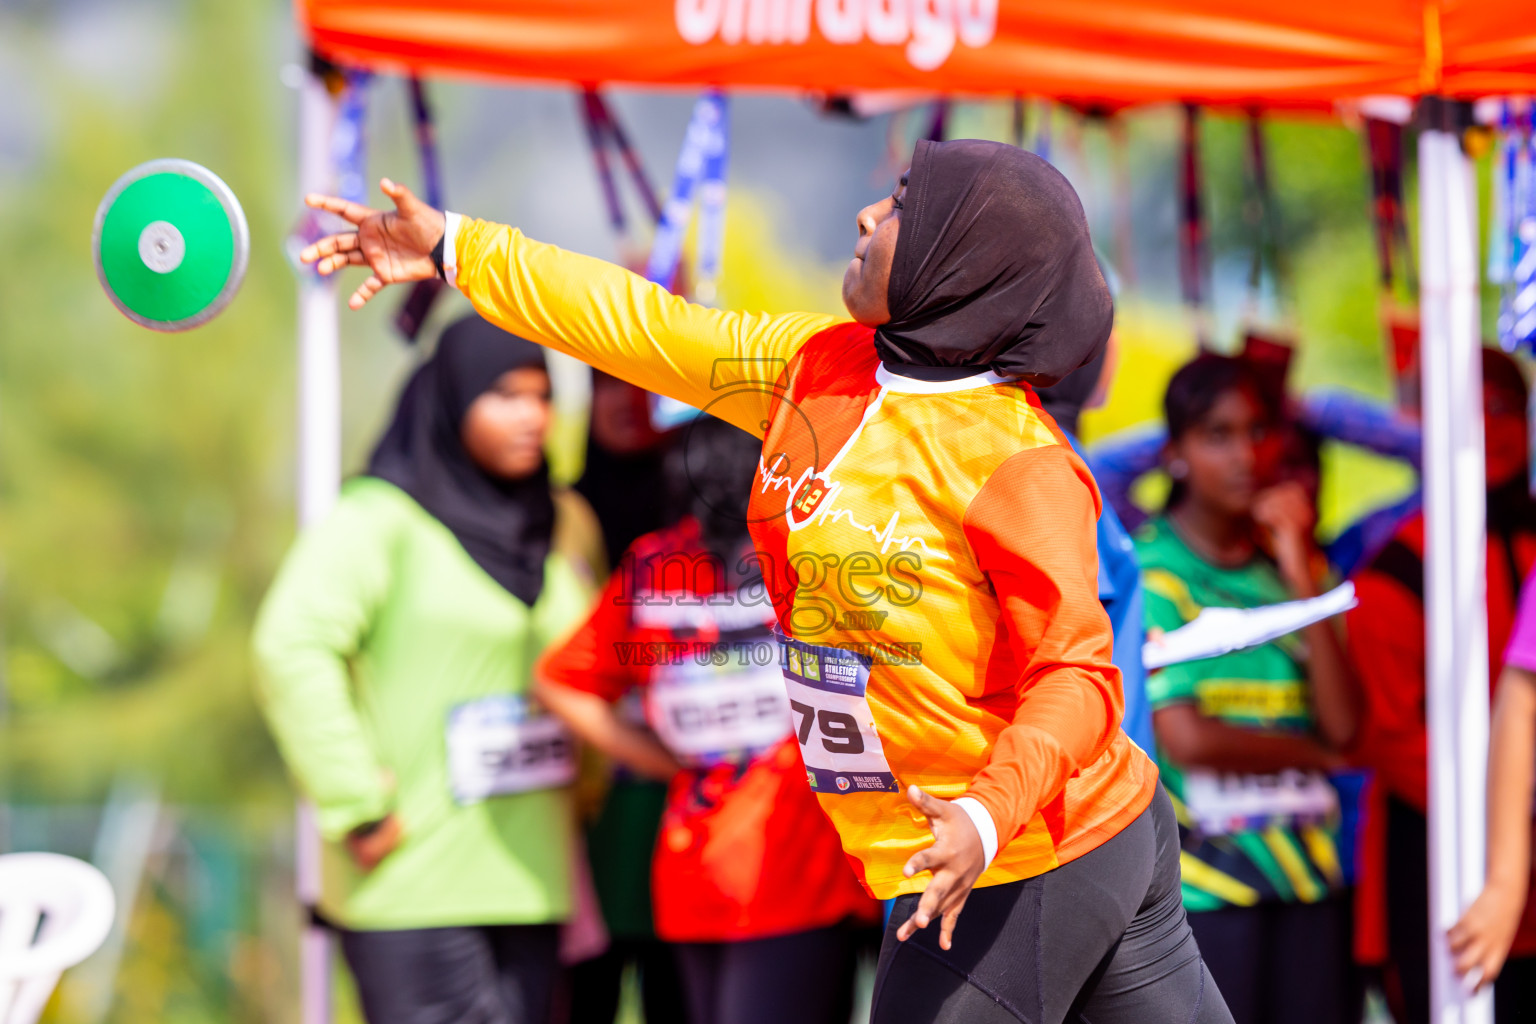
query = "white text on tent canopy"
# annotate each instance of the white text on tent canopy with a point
(927, 28)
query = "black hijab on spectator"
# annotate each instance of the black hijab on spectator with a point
(1065, 399)
(993, 269)
(506, 526)
(709, 477)
(624, 493)
(624, 489)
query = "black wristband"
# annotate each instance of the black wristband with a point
(437, 256)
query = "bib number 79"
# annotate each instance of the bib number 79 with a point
(839, 730)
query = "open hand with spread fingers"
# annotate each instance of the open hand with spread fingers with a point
(395, 244)
(956, 859)
(1480, 942)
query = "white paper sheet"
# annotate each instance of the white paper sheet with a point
(1218, 631)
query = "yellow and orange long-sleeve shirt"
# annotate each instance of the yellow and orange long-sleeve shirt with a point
(928, 547)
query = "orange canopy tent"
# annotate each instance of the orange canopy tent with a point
(1301, 53)
(1291, 54)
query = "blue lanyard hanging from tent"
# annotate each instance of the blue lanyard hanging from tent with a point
(349, 139)
(701, 159)
(1506, 153)
(701, 170)
(1192, 255)
(349, 157)
(593, 113)
(1384, 142)
(939, 121)
(1384, 156)
(1124, 199)
(1040, 145)
(712, 212)
(418, 303)
(1043, 130)
(1512, 240)
(1266, 231)
(604, 129)
(1516, 270)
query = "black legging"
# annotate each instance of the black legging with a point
(1282, 962)
(804, 977)
(492, 974)
(1102, 940)
(595, 984)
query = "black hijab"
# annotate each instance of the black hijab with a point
(993, 269)
(1065, 399)
(505, 525)
(624, 488)
(625, 494)
(709, 474)
(709, 477)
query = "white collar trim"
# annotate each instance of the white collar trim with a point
(912, 386)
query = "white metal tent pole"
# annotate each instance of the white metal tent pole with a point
(1454, 549)
(319, 478)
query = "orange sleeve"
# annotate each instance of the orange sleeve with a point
(1032, 529)
(589, 659)
(1386, 647)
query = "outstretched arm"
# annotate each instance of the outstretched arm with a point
(600, 313)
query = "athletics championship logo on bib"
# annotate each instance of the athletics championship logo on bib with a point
(832, 719)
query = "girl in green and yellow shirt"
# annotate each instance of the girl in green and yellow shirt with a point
(1245, 740)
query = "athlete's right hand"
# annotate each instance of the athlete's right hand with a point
(956, 859)
(372, 845)
(395, 244)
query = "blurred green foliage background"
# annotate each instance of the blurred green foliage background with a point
(146, 480)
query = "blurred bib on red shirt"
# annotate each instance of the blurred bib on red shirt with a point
(744, 850)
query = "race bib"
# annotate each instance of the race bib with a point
(503, 745)
(832, 719)
(718, 714)
(1220, 803)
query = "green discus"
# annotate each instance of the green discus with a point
(171, 244)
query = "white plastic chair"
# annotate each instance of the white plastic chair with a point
(54, 912)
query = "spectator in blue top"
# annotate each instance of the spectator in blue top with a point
(1119, 574)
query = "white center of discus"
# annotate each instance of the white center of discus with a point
(161, 247)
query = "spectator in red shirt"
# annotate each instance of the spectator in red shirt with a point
(749, 877)
(621, 479)
(1386, 645)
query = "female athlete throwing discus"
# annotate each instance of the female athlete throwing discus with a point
(926, 536)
